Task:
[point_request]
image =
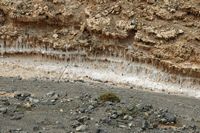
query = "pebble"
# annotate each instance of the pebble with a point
(99, 130)
(144, 108)
(122, 126)
(34, 100)
(75, 124)
(17, 116)
(130, 124)
(114, 116)
(22, 96)
(145, 124)
(55, 36)
(128, 117)
(168, 118)
(90, 107)
(3, 110)
(81, 128)
(106, 120)
(5, 102)
(83, 119)
(50, 94)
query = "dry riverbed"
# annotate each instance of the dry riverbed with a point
(67, 107)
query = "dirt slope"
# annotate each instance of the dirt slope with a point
(31, 106)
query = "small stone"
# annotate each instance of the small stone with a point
(90, 107)
(15, 130)
(75, 124)
(69, 100)
(130, 124)
(33, 100)
(114, 116)
(22, 96)
(193, 126)
(83, 119)
(27, 105)
(127, 117)
(55, 36)
(163, 120)
(106, 120)
(82, 110)
(109, 103)
(144, 108)
(122, 126)
(151, 1)
(120, 113)
(5, 102)
(81, 128)
(50, 94)
(170, 118)
(100, 131)
(3, 110)
(17, 116)
(145, 125)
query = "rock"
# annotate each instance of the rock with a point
(114, 116)
(168, 33)
(81, 128)
(163, 120)
(120, 112)
(34, 100)
(170, 118)
(50, 98)
(26, 105)
(145, 125)
(36, 128)
(3, 110)
(130, 124)
(48, 102)
(100, 131)
(58, 1)
(128, 117)
(82, 110)
(55, 36)
(122, 126)
(106, 120)
(75, 124)
(144, 108)
(5, 102)
(151, 1)
(17, 116)
(90, 107)
(108, 103)
(51, 94)
(83, 119)
(22, 96)
(18, 130)
(193, 126)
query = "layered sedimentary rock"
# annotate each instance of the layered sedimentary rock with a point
(162, 33)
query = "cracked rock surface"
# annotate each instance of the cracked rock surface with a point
(164, 33)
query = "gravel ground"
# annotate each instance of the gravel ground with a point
(69, 107)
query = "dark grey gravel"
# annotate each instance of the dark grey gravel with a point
(65, 107)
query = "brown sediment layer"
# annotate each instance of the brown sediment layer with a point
(137, 31)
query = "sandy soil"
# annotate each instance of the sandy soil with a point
(61, 107)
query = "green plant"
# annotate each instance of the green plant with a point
(109, 97)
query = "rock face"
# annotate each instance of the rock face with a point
(164, 33)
